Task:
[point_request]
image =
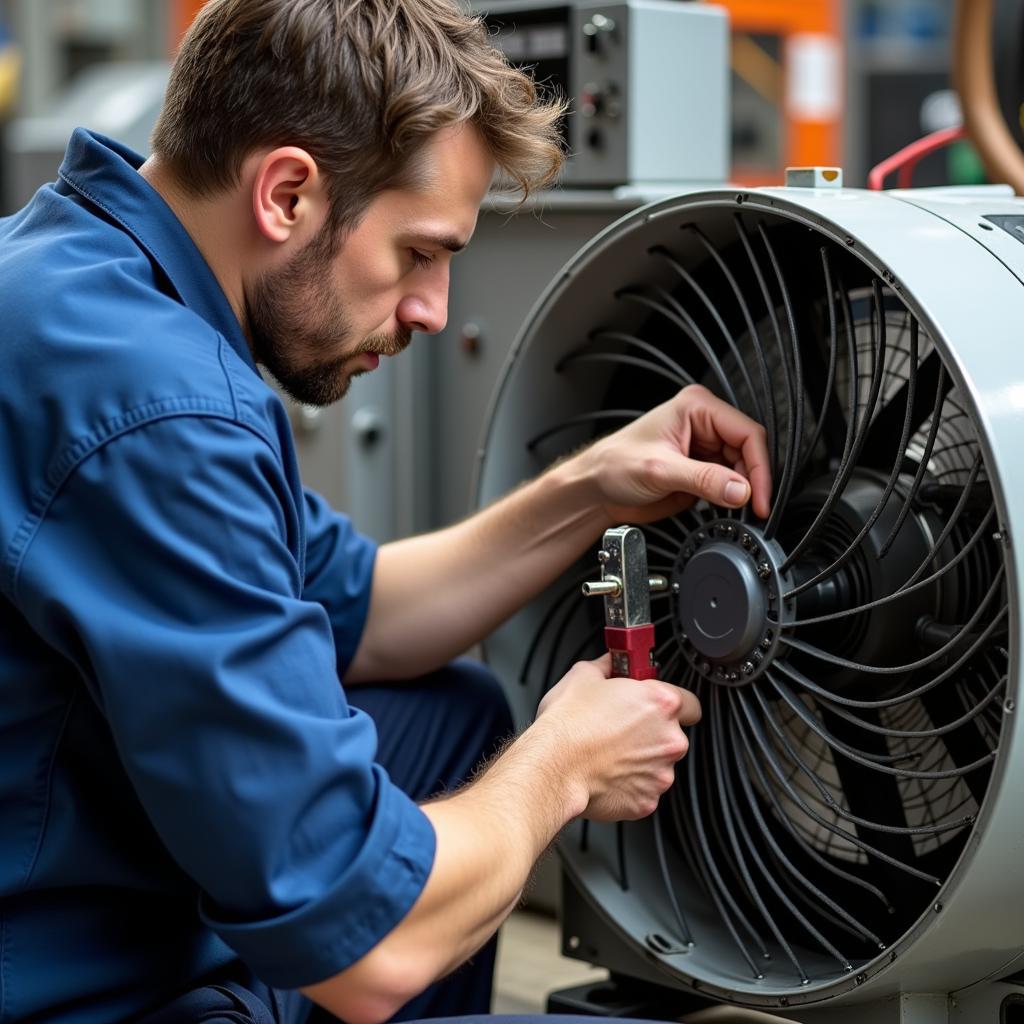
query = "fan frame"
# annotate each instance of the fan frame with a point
(923, 245)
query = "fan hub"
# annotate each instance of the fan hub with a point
(729, 610)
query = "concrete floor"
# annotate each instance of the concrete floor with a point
(530, 964)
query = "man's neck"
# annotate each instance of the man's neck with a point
(208, 223)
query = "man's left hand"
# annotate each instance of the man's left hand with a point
(690, 447)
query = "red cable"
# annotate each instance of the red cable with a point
(908, 158)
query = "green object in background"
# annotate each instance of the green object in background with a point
(964, 165)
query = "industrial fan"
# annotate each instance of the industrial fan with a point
(845, 828)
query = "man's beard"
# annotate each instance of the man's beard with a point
(297, 326)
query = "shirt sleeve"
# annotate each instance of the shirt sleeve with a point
(339, 574)
(168, 569)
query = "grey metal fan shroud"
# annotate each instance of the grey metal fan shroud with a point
(845, 825)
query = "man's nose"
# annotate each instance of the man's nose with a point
(426, 310)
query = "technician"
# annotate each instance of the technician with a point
(195, 823)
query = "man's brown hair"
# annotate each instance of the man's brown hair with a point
(360, 84)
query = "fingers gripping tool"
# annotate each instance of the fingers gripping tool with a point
(626, 587)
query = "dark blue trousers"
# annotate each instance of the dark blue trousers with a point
(433, 733)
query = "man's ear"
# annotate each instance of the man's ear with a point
(288, 195)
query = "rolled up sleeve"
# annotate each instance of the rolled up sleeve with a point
(169, 569)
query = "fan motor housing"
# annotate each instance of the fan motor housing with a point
(942, 259)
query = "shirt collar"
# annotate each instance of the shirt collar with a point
(106, 174)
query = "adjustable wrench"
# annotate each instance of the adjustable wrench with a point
(626, 587)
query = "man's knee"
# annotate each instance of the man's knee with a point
(481, 699)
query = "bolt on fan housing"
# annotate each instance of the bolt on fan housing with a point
(845, 825)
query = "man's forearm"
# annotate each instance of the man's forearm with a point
(438, 594)
(488, 837)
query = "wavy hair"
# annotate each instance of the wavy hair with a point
(360, 84)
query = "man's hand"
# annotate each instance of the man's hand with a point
(692, 446)
(622, 737)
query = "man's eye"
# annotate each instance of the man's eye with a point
(421, 259)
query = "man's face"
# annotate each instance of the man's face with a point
(325, 316)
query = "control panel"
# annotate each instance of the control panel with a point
(647, 82)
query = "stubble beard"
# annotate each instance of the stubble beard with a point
(301, 332)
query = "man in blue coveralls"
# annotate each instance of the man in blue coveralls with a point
(196, 822)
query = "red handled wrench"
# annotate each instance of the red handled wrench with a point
(626, 587)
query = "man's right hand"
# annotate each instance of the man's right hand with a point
(622, 737)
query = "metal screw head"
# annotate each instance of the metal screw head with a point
(720, 671)
(733, 677)
(701, 536)
(470, 338)
(746, 540)
(766, 642)
(687, 552)
(764, 570)
(748, 668)
(603, 556)
(675, 588)
(684, 638)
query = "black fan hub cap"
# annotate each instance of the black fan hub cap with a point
(729, 611)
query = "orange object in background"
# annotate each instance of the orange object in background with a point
(182, 14)
(788, 86)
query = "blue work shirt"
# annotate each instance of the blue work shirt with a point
(181, 779)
